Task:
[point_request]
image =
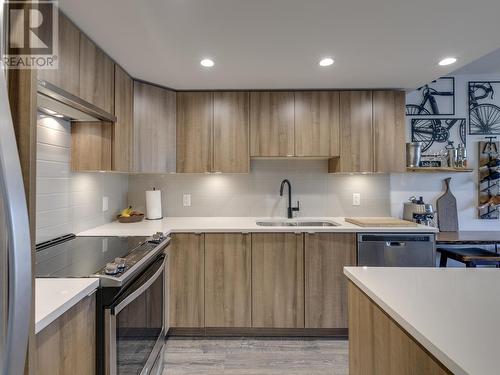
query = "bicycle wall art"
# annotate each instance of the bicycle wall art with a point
(484, 107)
(435, 98)
(435, 133)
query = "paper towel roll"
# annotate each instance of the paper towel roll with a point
(153, 204)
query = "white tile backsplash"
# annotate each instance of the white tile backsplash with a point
(70, 202)
(257, 193)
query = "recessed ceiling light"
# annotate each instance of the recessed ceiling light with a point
(207, 63)
(448, 61)
(326, 62)
(58, 115)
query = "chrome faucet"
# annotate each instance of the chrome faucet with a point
(290, 209)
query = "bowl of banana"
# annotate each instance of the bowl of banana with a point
(128, 215)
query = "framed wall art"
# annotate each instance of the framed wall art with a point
(435, 98)
(435, 133)
(484, 107)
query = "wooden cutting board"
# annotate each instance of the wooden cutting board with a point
(380, 222)
(447, 215)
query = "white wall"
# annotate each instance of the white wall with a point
(70, 202)
(257, 193)
(463, 185)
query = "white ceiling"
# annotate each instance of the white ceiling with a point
(489, 64)
(259, 44)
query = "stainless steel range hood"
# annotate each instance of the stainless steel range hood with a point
(54, 101)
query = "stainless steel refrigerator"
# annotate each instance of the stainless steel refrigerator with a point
(15, 246)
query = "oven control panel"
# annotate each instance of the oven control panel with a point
(115, 273)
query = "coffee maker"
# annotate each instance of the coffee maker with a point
(418, 211)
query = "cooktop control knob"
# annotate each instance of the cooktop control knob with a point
(111, 269)
(121, 263)
(157, 238)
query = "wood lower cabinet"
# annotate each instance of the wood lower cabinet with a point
(67, 345)
(231, 132)
(154, 129)
(186, 281)
(96, 75)
(326, 254)
(272, 124)
(123, 132)
(194, 132)
(277, 280)
(228, 265)
(317, 123)
(389, 131)
(378, 345)
(67, 74)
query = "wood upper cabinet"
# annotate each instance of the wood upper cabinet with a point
(186, 280)
(91, 146)
(389, 126)
(228, 265)
(326, 254)
(96, 75)
(317, 123)
(194, 132)
(67, 74)
(67, 345)
(272, 124)
(277, 280)
(231, 132)
(154, 129)
(124, 126)
(356, 133)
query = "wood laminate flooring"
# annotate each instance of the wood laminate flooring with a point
(251, 356)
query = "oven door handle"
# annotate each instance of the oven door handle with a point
(136, 293)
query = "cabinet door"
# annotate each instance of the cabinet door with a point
(124, 125)
(186, 277)
(154, 129)
(67, 74)
(389, 131)
(277, 280)
(272, 124)
(317, 123)
(96, 75)
(326, 254)
(91, 144)
(231, 132)
(67, 345)
(228, 266)
(194, 132)
(356, 135)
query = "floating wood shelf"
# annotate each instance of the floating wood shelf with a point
(438, 170)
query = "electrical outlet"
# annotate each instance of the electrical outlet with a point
(186, 200)
(105, 204)
(356, 199)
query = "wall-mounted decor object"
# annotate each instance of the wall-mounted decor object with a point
(489, 179)
(435, 133)
(484, 107)
(435, 98)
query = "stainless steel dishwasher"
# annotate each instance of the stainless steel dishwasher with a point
(396, 249)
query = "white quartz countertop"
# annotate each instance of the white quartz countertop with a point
(231, 224)
(452, 312)
(53, 297)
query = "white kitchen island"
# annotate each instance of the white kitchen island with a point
(445, 318)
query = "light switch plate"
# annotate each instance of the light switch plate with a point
(356, 199)
(186, 200)
(105, 204)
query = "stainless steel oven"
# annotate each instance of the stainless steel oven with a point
(134, 323)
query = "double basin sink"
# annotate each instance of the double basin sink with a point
(297, 223)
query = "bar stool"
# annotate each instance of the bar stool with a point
(471, 256)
